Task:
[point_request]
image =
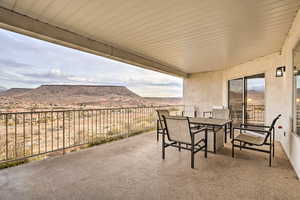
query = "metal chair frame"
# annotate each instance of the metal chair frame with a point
(159, 125)
(193, 147)
(269, 132)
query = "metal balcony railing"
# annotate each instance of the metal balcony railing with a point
(29, 134)
(255, 114)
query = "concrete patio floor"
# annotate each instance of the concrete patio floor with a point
(133, 169)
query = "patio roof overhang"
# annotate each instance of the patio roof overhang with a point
(174, 37)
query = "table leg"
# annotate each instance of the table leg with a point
(230, 129)
(225, 133)
(215, 145)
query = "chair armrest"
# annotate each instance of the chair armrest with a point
(198, 130)
(253, 125)
(248, 129)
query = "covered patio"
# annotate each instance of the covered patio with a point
(207, 44)
(133, 169)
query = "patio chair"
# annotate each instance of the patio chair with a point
(189, 111)
(222, 113)
(179, 131)
(160, 125)
(207, 114)
(256, 135)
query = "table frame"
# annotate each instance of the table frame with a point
(226, 124)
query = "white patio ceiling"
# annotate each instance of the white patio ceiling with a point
(184, 36)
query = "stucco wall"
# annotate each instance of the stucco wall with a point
(203, 90)
(202, 87)
(209, 89)
(291, 142)
(273, 86)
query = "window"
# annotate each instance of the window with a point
(297, 91)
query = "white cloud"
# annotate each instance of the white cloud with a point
(29, 62)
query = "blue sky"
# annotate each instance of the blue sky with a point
(28, 62)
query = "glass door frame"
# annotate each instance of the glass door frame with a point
(244, 86)
(296, 73)
(295, 102)
(243, 94)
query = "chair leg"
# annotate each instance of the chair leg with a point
(232, 151)
(157, 131)
(192, 153)
(270, 153)
(270, 159)
(163, 146)
(273, 142)
(230, 130)
(192, 157)
(240, 146)
(205, 151)
(179, 148)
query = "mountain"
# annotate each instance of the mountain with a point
(254, 97)
(80, 90)
(80, 95)
(14, 92)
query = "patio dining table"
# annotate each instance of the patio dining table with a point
(226, 123)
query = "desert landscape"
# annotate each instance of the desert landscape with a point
(53, 118)
(58, 97)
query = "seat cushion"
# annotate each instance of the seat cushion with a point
(250, 138)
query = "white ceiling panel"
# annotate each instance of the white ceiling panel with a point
(192, 35)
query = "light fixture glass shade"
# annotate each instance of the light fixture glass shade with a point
(279, 71)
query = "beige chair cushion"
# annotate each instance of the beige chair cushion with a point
(221, 113)
(178, 129)
(250, 138)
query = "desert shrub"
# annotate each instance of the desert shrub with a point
(13, 163)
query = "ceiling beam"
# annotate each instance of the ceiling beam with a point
(16, 22)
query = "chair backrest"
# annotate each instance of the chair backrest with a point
(189, 111)
(178, 129)
(272, 127)
(223, 113)
(160, 114)
(274, 122)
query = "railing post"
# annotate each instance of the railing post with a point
(16, 135)
(63, 132)
(6, 136)
(128, 132)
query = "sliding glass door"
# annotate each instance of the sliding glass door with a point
(236, 100)
(246, 98)
(255, 99)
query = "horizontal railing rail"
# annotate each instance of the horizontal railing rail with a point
(28, 134)
(254, 114)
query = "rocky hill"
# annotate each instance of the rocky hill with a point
(80, 95)
(14, 92)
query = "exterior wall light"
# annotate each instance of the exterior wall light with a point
(280, 71)
(296, 71)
